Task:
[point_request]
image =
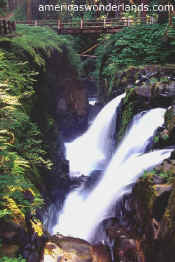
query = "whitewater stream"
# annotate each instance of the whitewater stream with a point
(91, 150)
(94, 150)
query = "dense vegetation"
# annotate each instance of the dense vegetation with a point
(23, 155)
(20, 138)
(22, 151)
(8, 259)
(134, 46)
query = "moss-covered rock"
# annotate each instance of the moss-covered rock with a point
(165, 135)
(146, 230)
(131, 105)
(170, 118)
(150, 80)
(147, 87)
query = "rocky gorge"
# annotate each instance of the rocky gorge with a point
(142, 219)
(142, 228)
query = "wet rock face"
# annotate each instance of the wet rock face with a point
(72, 125)
(60, 109)
(150, 81)
(72, 109)
(170, 119)
(165, 135)
(125, 246)
(74, 97)
(146, 88)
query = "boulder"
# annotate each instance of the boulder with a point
(60, 248)
(144, 228)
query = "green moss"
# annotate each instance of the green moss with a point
(134, 46)
(12, 259)
(129, 94)
(144, 196)
(146, 193)
(165, 171)
(127, 113)
(169, 215)
(170, 119)
(156, 139)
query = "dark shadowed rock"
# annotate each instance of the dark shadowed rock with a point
(34, 257)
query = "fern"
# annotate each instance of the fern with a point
(139, 45)
(22, 151)
(8, 259)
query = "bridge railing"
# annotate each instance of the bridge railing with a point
(90, 24)
(115, 22)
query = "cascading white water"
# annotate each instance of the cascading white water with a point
(91, 150)
(115, 187)
(140, 133)
(80, 216)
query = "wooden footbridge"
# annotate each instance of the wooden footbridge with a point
(90, 26)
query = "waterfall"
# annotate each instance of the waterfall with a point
(92, 150)
(82, 214)
(140, 134)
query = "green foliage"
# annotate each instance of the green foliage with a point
(8, 259)
(146, 174)
(35, 39)
(164, 175)
(4, 213)
(20, 139)
(36, 44)
(20, 12)
(126, 118)
(165, 137)
(156, 139)
(135, 45)
(167, 176)
(22, 151)
(3, 3)
(2, 7)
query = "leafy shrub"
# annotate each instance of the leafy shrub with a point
(20, 139)
(8, 259)
(22, 152)
(137, 45)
